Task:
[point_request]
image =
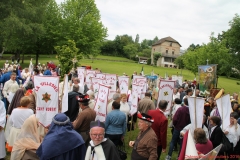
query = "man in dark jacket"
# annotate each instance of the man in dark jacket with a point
(73, 106)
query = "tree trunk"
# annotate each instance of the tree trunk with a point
(37, 54)
(22, 57)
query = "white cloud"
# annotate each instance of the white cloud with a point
(187, 21)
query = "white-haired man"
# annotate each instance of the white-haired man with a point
(100, 147)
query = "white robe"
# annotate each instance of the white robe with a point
(2, 124)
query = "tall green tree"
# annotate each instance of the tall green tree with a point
(81, 22)
(137, 39)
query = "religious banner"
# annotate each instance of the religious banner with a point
(166, 93)
(95, 84)
(101, 75)
(224, 108)
(81, 75)
(123, 82)
(101, 103)
(207, 77)
(142, 84)
(46, 88)
(196, 107)
(135, 77)
(133, 98)
(89, 75)
(191, 151)
(111, 80)
(64, 99)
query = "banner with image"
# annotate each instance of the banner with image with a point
(101, 103)
(166, 93)
(89, 75)
(47, 90)
(101, 75)
(81, 75)
(95, 84)
(123, 82)
(142, 85)
(207, 77)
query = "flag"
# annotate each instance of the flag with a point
(101, 103)
(142, 71)
(196, 107)
(47, 91)
(111, 80)
(224, 108)
(95, 84)
(191, 151)
(212, 154)
(166, 93)
(65, 95)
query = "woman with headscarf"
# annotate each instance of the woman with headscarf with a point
(28, 141)
(62, 141)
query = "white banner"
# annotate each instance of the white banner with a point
(111, 80)
(123, 82)
(81, 75)
(95, 83)
(191, 151)
(196, 107)
(47, 89)
(101, 103)
(142, 85)
(89, 75)
(65, 95)
(166, 93)
(135, 78)
(224, 108)
(133, 98)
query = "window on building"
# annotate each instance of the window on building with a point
(171, 44)
(167, 59)
(167, 51)
(173, 52)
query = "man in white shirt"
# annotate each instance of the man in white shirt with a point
(77, 81)
(10, 87)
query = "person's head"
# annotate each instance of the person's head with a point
(235, 106)
(233, 117)
(36, 71)
(189, 92)
(117, 97)
(200, 136)
(124, 97)
(115, 105)
(25, 101)
(83, 101)
(235, 96)
(97, 131)
(214, 121)
(175, 90)
(177, 101)
(13, 76)
(26, 70)
(145, 121)
(75, 88)
(76, 80)
(197, 91)
(180, 89)
(147, 94)
(163, 105)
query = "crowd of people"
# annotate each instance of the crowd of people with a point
(78, 135)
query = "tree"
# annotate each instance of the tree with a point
(81, 22)
(66, 54)
(130, 50)
(155, 40)
(21, 25)
(137, 39)
(156, 56)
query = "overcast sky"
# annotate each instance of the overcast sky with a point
(187, 21)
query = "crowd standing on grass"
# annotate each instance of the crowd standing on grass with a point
(78, 135)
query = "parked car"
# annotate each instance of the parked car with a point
(143, 62)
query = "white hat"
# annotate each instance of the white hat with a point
(90, 92)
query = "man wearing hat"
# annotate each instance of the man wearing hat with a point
(145, 145)
(99, 147)
(82, 122)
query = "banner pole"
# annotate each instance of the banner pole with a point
(130, 136)
(62, 92)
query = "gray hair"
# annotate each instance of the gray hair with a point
(77, 79)
(116, 96)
